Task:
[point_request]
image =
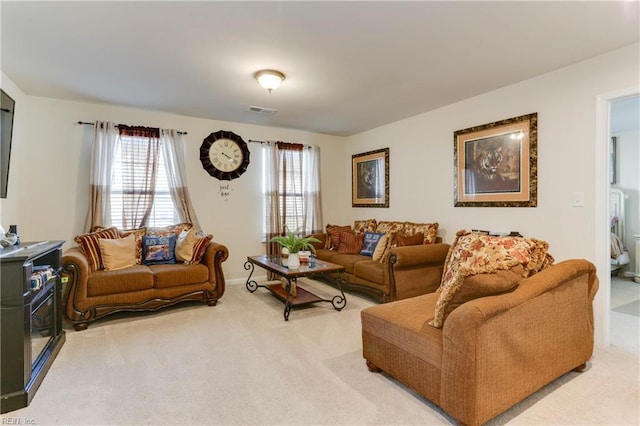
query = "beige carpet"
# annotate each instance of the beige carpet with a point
(239, 363)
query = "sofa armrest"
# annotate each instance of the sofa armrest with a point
(323, 239)
(215, 254)
(75, 273)
(537, 332)
(415, 270)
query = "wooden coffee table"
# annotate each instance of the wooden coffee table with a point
(302, 297)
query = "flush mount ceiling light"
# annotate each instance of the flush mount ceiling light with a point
(269, 79)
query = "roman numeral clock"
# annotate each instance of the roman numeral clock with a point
(224, 155)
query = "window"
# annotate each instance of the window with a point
(291, 189)
(139, 176)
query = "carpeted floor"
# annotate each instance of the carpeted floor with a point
(239, 363)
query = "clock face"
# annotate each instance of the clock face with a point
(224, 155)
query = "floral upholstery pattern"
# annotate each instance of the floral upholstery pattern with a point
(362, 226)
(473, 254)
(429, 230)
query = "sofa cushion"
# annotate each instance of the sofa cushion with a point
(326, 254)
(381, 248)
(158, 250)
(403, 240)
(179, 274)
(428, 230)
(184, 245)
(118, 253)
(473, 253)
(369, 270)
(167, 231)
(370, 242)
(390, 227)
(350, 243)
(137, 277)
(362, 226)
(88, 243)
(403, 324)
(348, 260)
(333, 231)
(138, 233)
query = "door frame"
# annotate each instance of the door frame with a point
(602, 236)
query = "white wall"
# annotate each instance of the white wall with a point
(421, 161)
(50, 171)
(48, 186)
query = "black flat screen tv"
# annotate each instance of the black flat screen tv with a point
(7, 106)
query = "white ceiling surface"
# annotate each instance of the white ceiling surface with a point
(350, 66)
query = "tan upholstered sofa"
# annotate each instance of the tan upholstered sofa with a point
(393, 272)
(92, 294)
(490, 352)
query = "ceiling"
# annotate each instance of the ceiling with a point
(349, 66)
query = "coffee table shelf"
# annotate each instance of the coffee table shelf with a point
(302, 297)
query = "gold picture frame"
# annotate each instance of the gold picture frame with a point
(370, 179)
(495, 164)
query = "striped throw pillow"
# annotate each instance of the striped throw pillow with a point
(89, 245)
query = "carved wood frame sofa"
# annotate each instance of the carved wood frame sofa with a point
(92, 294)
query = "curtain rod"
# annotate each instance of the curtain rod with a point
(263, 142)
(93, 124)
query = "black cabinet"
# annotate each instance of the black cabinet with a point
(30, 319)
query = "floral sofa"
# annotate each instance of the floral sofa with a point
(143, 269)
(505, 322)
(387, 260)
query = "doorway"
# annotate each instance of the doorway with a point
(624, 131)
(602, 237)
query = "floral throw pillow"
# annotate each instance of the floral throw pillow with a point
(473, 254)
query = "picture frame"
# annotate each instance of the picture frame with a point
(370, 179)
(495, 164)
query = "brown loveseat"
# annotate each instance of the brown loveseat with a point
(92, 294)
(490, 352)
(394, 272)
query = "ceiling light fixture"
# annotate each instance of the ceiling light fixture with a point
(269, 79)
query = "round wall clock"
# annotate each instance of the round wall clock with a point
(224, 155)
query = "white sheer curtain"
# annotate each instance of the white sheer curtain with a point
(105, 146)
(312, 219)
(291, 189)
(172, 144)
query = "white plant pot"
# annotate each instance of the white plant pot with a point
(294, 261)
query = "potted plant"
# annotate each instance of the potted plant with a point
(293, 244)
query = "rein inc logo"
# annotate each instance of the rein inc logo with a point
(18, 421)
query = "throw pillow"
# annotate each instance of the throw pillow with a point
(350, 243)
(333, 231)
(370, 242)
(381, 248)
(428, 230)
(158, 250)
(118, 253)
(184, 245)
(88, 243)
(200, 247)
(410, 240)
(362, 226)
(473, 254)
(138, 233)
(167, 231)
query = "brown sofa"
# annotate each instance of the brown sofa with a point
(89, 296)
(402, 272)
(491, 352)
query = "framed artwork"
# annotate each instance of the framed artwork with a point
(370, 179)
(495, 164)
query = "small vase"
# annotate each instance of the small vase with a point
(294, 261)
